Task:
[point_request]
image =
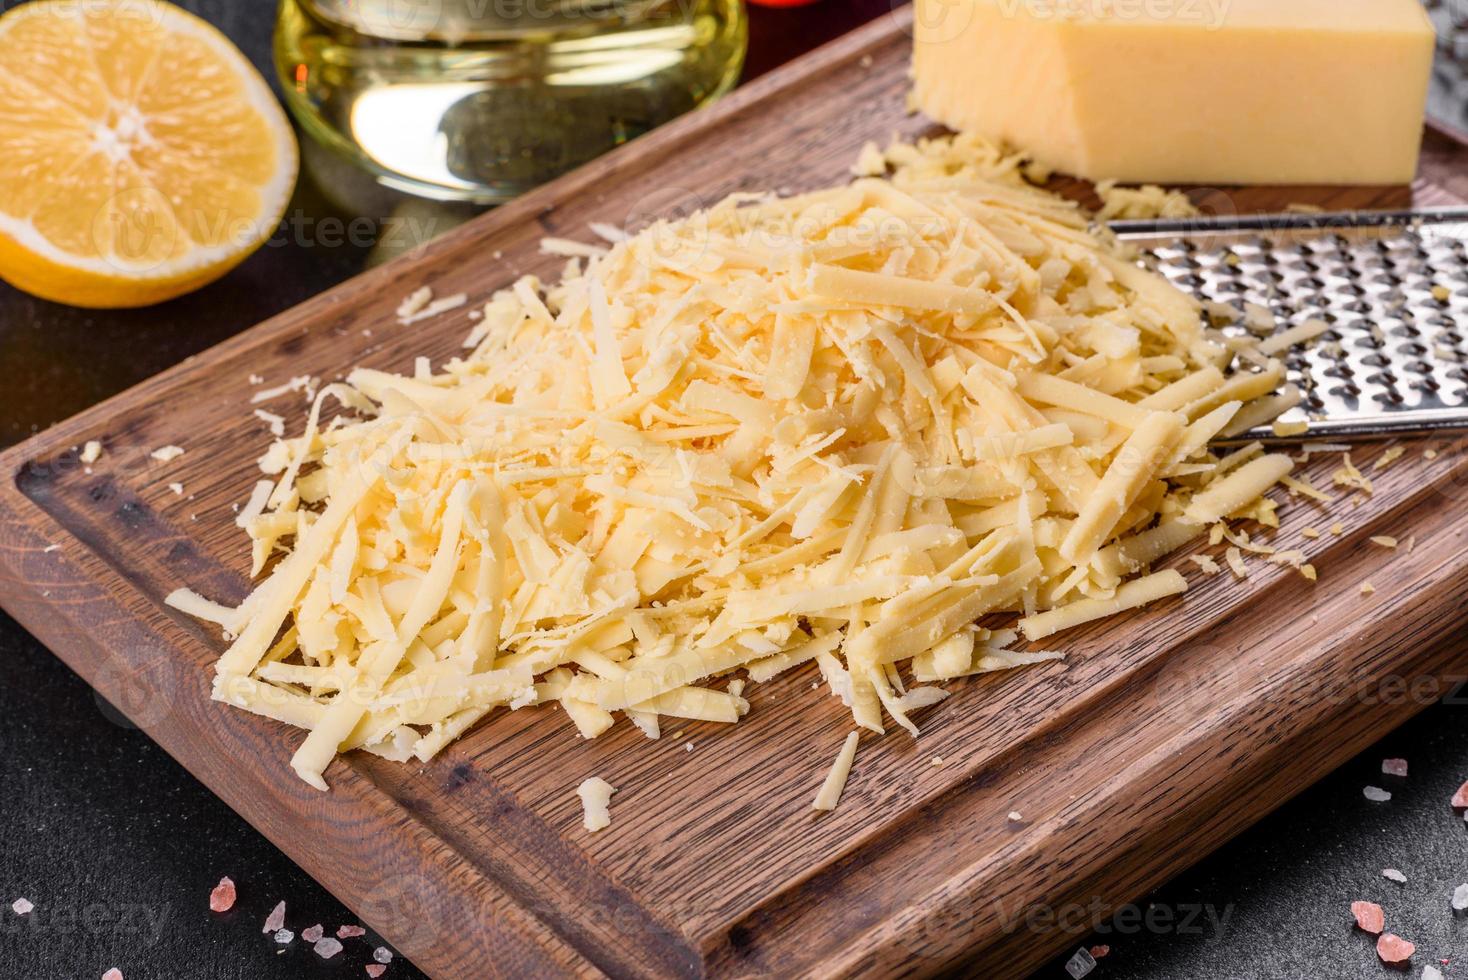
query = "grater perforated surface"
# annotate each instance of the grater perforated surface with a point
(1393, 286)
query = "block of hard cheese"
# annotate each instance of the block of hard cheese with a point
(1185, 91)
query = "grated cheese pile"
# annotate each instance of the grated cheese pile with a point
(843, 427)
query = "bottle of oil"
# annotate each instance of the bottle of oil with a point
(480, 100)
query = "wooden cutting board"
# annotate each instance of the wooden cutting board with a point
(1163, 733)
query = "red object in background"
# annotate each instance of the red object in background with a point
(782, 3)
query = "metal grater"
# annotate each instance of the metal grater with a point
(1395, 361)
(1447, 98)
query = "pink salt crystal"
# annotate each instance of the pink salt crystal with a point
(112, 974)
(382, 954)
(1394, 949)
(221, 899)
(1369, 916)
(312, 933)
(1100, 952)
(22, 906)
(1460, 798)
(276, 919)
(1394, 767)
(375, 970)
(327, 948)
(350, 932)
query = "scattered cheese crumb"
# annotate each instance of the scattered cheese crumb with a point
(1309, 532)
(609, 233)
(1367, 588)
(1390, 456)
(1235, 561)
(1384, 540)
(414, 303)
(433, 309)
(275, 422)
(1337, 529)
(91, 452)
(870, 162)
(1285, 430)
(1147, 201)
(1349, 476)
(1441, 293)
(1014, 816)
(1207, 564)
(830, 791)
(936, 760)
(1258, 319)
(1294, 336)
(1302, 487)
(167, 453)
(596, 795)
(303, 382)
(566, 248)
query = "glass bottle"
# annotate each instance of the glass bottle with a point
(480, 100)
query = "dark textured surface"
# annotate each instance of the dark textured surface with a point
(118, 846)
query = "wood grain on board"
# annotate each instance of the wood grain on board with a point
(1162, 734)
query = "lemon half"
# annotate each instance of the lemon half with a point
(143, 156)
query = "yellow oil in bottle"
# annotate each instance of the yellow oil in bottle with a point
(481, 100)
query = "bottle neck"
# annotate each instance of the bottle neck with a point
(462, 21)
